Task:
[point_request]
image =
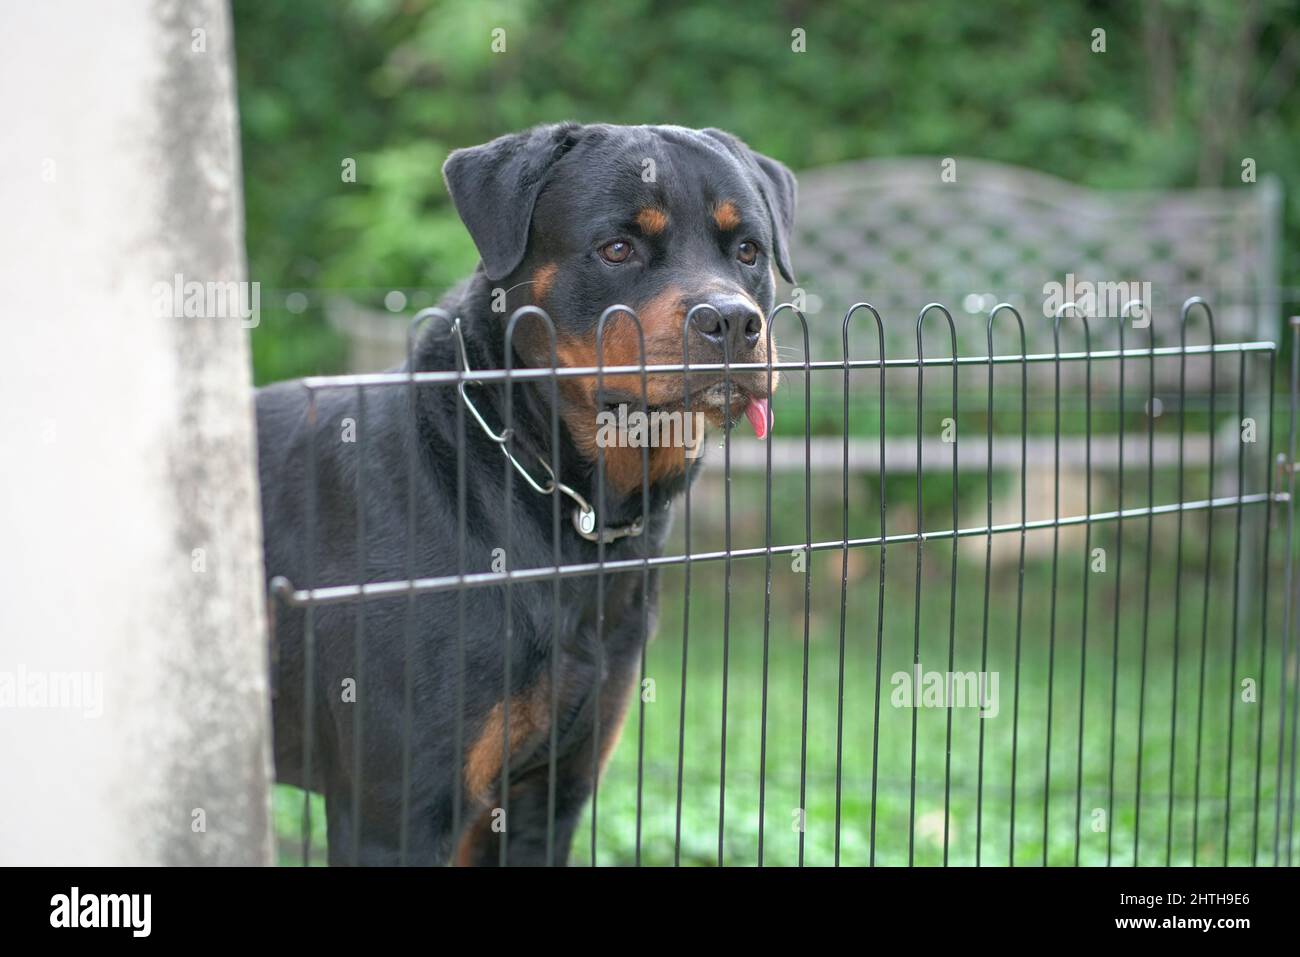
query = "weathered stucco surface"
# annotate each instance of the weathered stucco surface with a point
(128, 496)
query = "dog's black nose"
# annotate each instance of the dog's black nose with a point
(729, 322)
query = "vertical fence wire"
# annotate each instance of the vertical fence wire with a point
(844, 575)
(1119, 578)
(1087, 574)
(1205, 593)
(1178, 584)
(952, 600)
(767, 601)
(726, 590)
(359, 639)
(1263, 613)
(1288, 462)
(507, 633)
(1056, 550)
(920, 539)
(1234, 633)
(880, 590)
(462, 558)
(602, 522)
(557, 637)
(686, 596)
(1020, 581)
(1290, 626)
(1152, 412)
(309, 631)
(844, 601)
(645, 579)
(807, 578)
(408, 626)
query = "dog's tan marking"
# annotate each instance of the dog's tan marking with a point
(652, 220)
(543, 279)
(472, 837)
(528, 720)
(661, 324)
(726, 215)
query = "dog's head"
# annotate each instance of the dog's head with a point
(575, 219)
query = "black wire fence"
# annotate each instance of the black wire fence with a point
(1117, 670)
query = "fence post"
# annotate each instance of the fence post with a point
(134, 716)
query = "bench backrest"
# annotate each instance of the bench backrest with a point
(895, 233)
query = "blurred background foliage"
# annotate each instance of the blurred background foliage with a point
(1184, 91)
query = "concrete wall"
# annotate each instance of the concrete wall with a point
(130, 573)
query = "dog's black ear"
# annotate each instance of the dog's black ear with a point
(495, 187)
(779, 190)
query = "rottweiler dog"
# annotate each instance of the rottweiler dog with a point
(421, 703)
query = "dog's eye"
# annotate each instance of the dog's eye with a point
(616, 252)
(747, 253)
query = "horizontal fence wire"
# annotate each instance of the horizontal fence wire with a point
(820, 365)
(886, 790)
(338, 594)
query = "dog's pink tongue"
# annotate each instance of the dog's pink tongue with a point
(759, 413)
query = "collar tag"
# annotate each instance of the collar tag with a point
(584, 522)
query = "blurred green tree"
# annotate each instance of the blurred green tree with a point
(1183, 92)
